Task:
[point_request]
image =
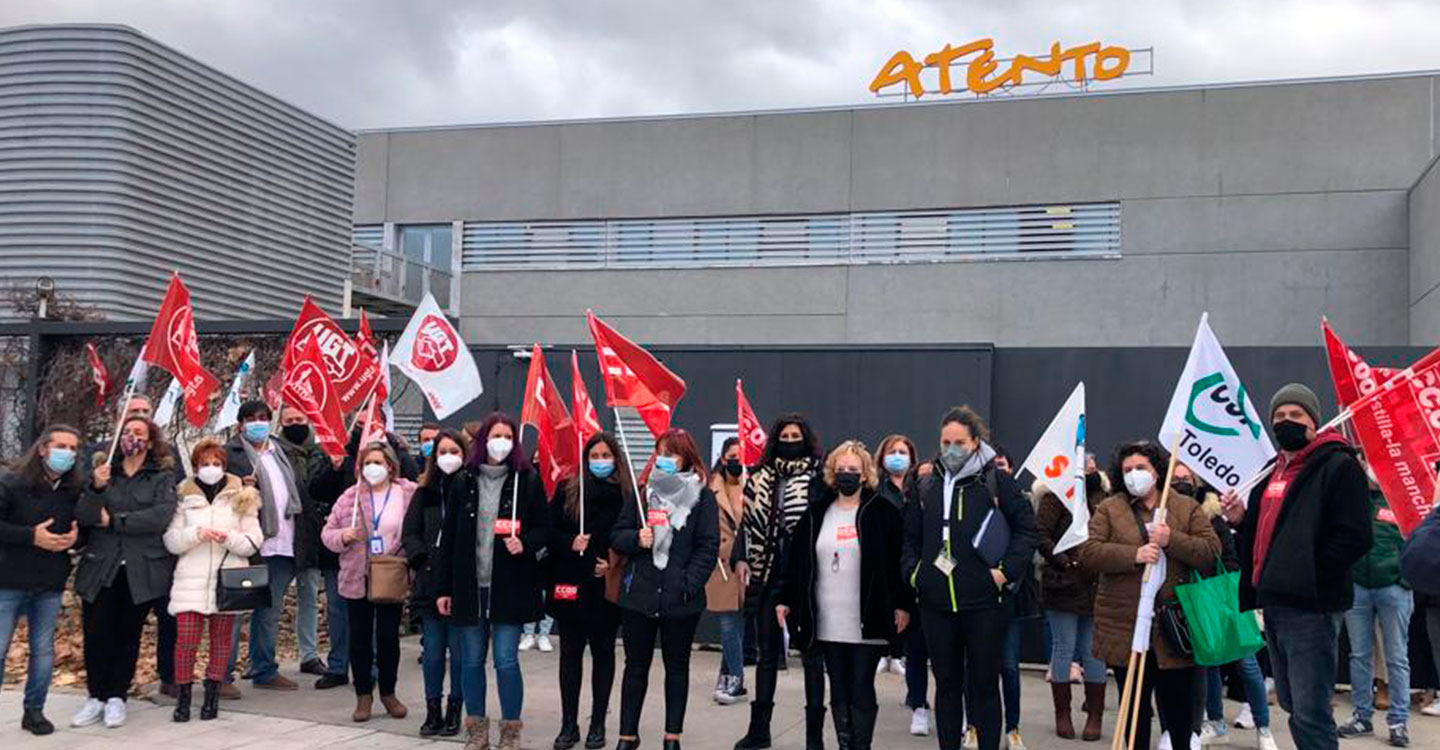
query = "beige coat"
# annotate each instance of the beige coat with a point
(236, 510)
(723, 593)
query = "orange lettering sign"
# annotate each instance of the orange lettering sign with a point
(983, 72)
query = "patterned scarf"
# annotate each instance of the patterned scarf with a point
(775, 498)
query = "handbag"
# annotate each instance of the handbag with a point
(614, 575)
(387, 577)
(1174, 627)
(241, 589)
(1218, 630)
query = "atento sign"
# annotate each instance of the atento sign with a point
(981, 73)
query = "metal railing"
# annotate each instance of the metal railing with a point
(386, 273)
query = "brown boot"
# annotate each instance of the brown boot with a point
(1094, 710)
(363, 706)
(510, 734)
(477, 733)
(1382, 696)
(1064, 726)
(393, 706)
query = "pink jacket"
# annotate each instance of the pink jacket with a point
(354, 556)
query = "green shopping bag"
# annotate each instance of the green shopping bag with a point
(1219, 631)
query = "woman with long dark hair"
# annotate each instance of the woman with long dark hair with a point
(776, 496)
(725, 593)
(671, 551)
(579, 561)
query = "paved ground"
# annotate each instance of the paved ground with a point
(309, 719)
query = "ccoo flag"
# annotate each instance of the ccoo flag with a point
(1211, 420)
(1058, 460)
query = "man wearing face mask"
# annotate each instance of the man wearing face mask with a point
(312, 560)
(1304, 525)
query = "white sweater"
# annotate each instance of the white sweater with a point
(236, 510)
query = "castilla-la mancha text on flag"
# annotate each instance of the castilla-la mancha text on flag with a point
(1058, 460)
(431, 353)
(173, 346)
(1211, 420)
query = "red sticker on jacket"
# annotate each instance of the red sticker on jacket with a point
(565, 592)
(1385, 515)
(657, 517)
(1275, 490)
(846, 533)
(506, 527)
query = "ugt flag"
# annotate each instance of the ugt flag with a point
(1058, 459)
(431, 353)
(350, 368)
(1211, 421)
(173, 346)
(307, 386)
(748, 429)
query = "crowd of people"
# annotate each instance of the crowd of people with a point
(860, 561)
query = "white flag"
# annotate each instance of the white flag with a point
(431, 353)
(165, 410)
(1145, 612)
(1058, 459)
(1211, 419)
(135, 382)
(385, 387)
(230, 412)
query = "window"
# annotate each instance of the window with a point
(427, 252)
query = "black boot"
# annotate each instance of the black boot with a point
(843, 729)
(671, 744)
(758, 737)
(862, 727)
(815, 728)
(628, 744)
(595, 738)
(454, 714)
(434, 718)
(210, 707)
(182, 703)
(569, 735)
(35, 723)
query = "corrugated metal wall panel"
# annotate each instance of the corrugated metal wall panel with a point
(121, 159)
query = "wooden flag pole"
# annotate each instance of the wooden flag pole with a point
(1123, 710)
(1138, 696)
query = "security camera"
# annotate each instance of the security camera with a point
(45, 286)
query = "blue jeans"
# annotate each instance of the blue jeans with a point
(1010, 676)
(1254, 681)
(1392, 606)
(440, 637)
(1304, 651)
(337, 625)
(475, 641)
(541, 628)
(307, 613)
(732, 643)
(1071, 639)
(265, 623)
(40, 609)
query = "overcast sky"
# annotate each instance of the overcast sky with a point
(382, 63)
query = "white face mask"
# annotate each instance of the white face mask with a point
(449, 462)
(211, 474)
(375, 473)
(499, 448)
(1139, 482)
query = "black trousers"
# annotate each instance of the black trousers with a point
(111, 626)
(851, 667)
(374, 645)
(676, 634)
(966, 647)
(575, 636)
(166, 633)
(1173, 690)
(771, 640)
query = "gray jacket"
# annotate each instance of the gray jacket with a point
(140, 508)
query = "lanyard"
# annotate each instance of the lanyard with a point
(949, 485)
(375, 517)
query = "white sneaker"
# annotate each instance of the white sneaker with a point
(527, 642)
(1265, 740)
(972, 738)
(1014, 741)
(920, 722)
(1432, 710)
(883, 666)
(1194, 741)
(89, 714)
(1164, 742)
(114, 713)
(1245, 719)
(1213, 733)
(544, 643)
(897, 667)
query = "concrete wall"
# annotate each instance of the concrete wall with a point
(1268, 205)
(1424, 296)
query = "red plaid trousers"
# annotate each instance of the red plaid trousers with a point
(190, 626)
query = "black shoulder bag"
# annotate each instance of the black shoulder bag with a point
(1174, 628)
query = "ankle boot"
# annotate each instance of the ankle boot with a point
(815, 728)
(569, 735)
(1094, 710)
(182, 703)
(394, 707)
(1060, 695)
(595, 738)
(477, 733)
(364, 705)
(758, 736)
(862, 727)
(840, 715)
(434, 718)
(454, 712)
(510, 734)
(210, 708)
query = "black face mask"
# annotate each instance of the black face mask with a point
(1092, 483)
(295, 433)
(1183, 487)
(790, 451)
(733, 467)
(1290, 435)
(847, 482)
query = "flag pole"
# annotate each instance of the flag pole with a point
(1123, 710)
(120, 420)
(515, 486)
(634, 479)
(580, 473)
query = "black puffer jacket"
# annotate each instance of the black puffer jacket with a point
(516, 582)
(603, 499)
(421, 535)
(141, 508)
(679, 589)
(23, 506)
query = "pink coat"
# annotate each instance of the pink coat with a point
(354, 556)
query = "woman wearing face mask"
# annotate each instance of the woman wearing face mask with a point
(126, 568)
(217, 525)
(964, 598)
(368, 520)
(672, 551)
(898, 474)
(579, 560)
(487, 573)
(725, 592)
(37, 530)
(776, 496)
(1125, 537)
(441, 481)
(840, 588)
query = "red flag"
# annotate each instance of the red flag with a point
(98, 374)
(749, 429)
(544, 409)
(586, 420)
(273, 388)
(1399, 434)
(372, 427)
(365, 340)
(307, 386)
(633, 377)
(353, 371)
(173, 346)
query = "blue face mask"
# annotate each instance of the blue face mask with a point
(427, 447)
(602, 469)
(60, 460)
(897, 463)
(667, 464)
(257, 432)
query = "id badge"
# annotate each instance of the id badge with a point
(945, 563)
(377, 545)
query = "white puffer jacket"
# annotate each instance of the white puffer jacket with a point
(236, 510)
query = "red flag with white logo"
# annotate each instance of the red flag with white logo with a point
(544, 409)
(272, 390)
(350, 368)
(633, 377)
(749, 429)
(307, 387)
(431, 353)
(98, 374)
(173, 346)
(586, 420)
